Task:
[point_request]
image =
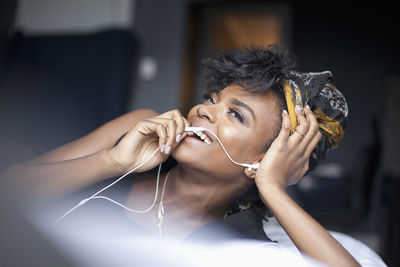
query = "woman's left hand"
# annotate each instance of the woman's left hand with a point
(287, 159)
(284, 164)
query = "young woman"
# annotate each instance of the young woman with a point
(261, 109)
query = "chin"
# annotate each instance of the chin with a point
(198, 157)
(186, 155)
(208, 160)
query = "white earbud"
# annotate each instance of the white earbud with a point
(250, 167)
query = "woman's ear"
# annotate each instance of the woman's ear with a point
(250, 173)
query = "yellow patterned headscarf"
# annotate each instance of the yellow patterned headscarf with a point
(316, 89)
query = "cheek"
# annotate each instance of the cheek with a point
(236, 141)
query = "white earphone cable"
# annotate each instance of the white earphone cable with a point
(219, 141)
(113, 183)
(96, 196)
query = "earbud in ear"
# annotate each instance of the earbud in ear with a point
(253, 166)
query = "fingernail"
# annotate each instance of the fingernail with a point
(284, 111)
(298, 108)
(168, 150)
(162, 148)
(178, 137)
(308, 106)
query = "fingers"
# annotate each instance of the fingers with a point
(285, 128)
(302, 126)
(170, 129)
(171, 132)
(313, 143)
(307, 134)
(181, 123)
(313, 127)
(162, 137)
(149, 127)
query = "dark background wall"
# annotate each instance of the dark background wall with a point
(359, 44)
(160, 27)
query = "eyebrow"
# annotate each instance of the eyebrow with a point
(236, 102)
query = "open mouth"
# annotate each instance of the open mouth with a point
(201, 136)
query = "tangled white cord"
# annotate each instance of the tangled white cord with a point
(96, 195)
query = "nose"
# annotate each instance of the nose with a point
(207, 112)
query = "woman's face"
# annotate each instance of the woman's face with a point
(242, 120)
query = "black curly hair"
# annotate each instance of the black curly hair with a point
(257, 70)
(254, 69)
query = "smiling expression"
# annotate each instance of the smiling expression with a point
(243, 121)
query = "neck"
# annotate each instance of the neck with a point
(199, 195)
(192, 198)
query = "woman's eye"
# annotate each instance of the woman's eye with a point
(236, 115)
(211, 100)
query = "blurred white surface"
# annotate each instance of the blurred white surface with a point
(86, 250)
(361, 252)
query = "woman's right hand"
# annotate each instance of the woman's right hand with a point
(164, 131)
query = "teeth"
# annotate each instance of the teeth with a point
(203, 137)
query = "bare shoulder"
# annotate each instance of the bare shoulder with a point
(103, 137)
